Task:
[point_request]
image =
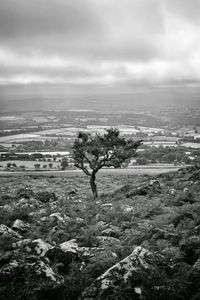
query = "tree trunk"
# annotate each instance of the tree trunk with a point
(93, 185)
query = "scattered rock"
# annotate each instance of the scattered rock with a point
(154, 183)
(6, 232)
(197, 265)
(25, 203)
(90, 255)
(29, 269)
(91, 251)
(107, 241)
(185, 190)
(164, 233)
(78, 201)
(101, 224)
(60, 217)
(20, 225)
(107, 205)
(69, 246)
(41, 212)
(112, 231)
(41, 247)
(98, 217)
(30, 278)
(128, 208)
(21, 243)
(131, 267)
(172, 191)
(141, 191)
(24, 193)
(8, 208)
(63, 255)
(152, 186)
(33, 247)
(44, 219)
(54, 205)
(79, 220)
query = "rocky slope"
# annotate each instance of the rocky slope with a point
(139, 241)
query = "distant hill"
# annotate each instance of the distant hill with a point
(54, 98)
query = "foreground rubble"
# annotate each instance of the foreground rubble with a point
(139, 242)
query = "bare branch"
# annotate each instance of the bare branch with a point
(84, 169)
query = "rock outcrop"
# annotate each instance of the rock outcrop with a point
(20, 226)
(131, 267)
(8, 233)
(153, 186)
(29, 278)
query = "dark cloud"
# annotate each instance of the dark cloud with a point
(112, 42)
(92, 28)
(189, 10)
(26, 18)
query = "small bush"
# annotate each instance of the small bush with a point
(45, 196)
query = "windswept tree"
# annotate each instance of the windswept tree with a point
(93, 151)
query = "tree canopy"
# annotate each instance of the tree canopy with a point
(64, 163)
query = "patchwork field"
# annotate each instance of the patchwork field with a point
(29, 164)
(140, 170)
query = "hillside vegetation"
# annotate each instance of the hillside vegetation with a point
(139, 240)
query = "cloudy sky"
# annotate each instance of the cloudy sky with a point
(105, 44)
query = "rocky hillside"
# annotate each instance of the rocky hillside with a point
(140, 240)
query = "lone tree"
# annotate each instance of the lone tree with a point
(93, 151)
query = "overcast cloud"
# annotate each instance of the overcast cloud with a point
(109, 43)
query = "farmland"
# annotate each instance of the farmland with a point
(191, 145)
(140, 170)
(72, 131)
(29, 164)
(52, 134)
